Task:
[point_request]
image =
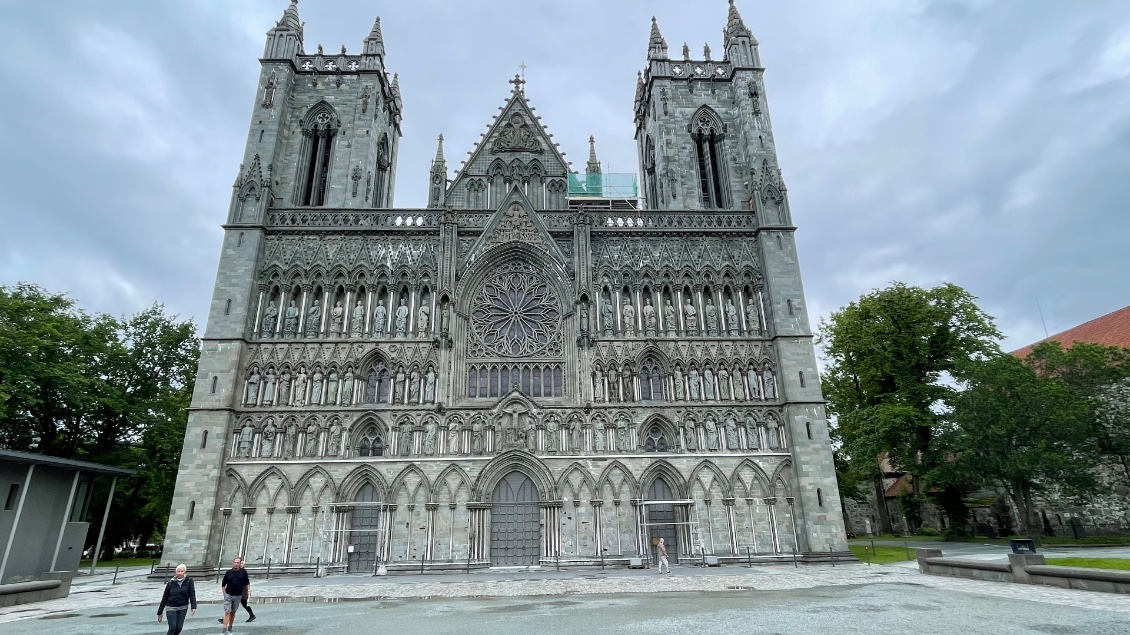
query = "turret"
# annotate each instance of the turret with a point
(657, 46)
(373, 51)
(284, 41)
(593, 166)
(741, 46)
(437, 189)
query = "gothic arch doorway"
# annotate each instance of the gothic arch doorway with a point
(661, 521)
(364, 529)
(515, 522)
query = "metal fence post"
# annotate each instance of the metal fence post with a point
(749, 557)
(268, 568)
(116, 567)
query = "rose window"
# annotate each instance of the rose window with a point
(517, 314)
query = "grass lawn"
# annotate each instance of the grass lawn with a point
(882, 554)
(1092, 563)
(119, 562)
(1089, 540)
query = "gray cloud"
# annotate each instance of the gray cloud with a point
(980, 142)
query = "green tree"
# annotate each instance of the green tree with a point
(893, 358)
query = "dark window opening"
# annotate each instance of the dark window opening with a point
(808, 429)
(191, 509)
(215, 380)
(819, 497)
(204, 439)
(801, 376)
(227, 307)
(703, 181)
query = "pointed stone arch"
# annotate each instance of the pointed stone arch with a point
(758, 474)
(261, 481)
(304, 482)
(705, 120)
(441, 481)
(662, 468)
(707, 466)
(402, 478)
(521, 461)
(234, 486)
(668, 430)
(783, 476)
(586, 479)
(359, 477)
(630, 484)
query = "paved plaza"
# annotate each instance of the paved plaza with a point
(765, 599)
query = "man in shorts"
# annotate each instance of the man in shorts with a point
(235, 586)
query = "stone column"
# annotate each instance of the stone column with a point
(709, 522)
(257, 327)
(288, 543)
(701, 307)
(639, 310)
(410, 329)
(617, 307)
(326, 308)
(679, 318)
(772, 503)
(428, 548)
(301, 328)
(367, 326)
(597, 526)
(729, 504)
(719, 302)
(347, 316)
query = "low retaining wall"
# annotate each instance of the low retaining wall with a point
(52, 586)
(1024, 569)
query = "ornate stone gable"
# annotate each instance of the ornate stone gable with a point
(374, 252)
(517, 135)
(515, 221)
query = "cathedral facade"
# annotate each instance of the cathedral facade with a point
(533, 369)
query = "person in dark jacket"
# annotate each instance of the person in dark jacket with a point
(236, 588)
(180, 594)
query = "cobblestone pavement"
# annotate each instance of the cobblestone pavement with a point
(502, 584)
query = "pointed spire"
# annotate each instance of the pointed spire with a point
(657, 46)
(437, 189)
(395, 84)
(284, 40)
(290, 18)
(593, 166)
(735, 26)
(375, 32)
(439, 150)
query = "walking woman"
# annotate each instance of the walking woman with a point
(180, 594)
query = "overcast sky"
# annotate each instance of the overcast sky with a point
(981, 142)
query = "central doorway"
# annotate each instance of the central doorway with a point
(666, 516)
(363, 527)
(515, 522)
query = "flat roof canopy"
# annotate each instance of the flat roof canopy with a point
(40, 459)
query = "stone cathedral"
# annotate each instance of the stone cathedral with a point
(540, 366)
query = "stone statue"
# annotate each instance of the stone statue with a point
(316, 390)
(290, 441)
(613, 384)
(711, 427)
(629, 393)
(380, 318)
(650, 321)
(691, 434)
(690, 318)
(723, 384)
(444, 317)
(753, 439)
(598, 385)
(529, 432)
(477, 436)
(430, 386)
(693, 383)
(398, 388)
(337, 320)
(414, 387)
(770, 385)
(453, 432)
(711, 318)
(752, 319)
(357, 320)
(708, 385)
(629, 313)
(270, 320)
(575, 441)
(252, 397)
(300, 387)
(269, 389)
(283, 398)
(405, 440)
(430, 437)
(246, 440)
(401, 318)
(598, 435)
(732, 318)
(608, 319)
(333, 447)
(751, 377)
(583, 317)
(552, 434)
(313, 319)
(732, 433)
(311, 446)
(774, 434)
(347, 389)
(679, 393)
(423, 319)
(623, 438)
(331, 388)
(290, 321)
(669, 319)
(267, 446)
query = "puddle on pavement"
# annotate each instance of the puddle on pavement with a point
(110, 615)
(58, 616)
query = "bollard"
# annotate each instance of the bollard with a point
(318, 567)
(421, 565)
(268, 568)
(468, 558)
(602, 559)
(832, 557)
(749, 556)
(795, 565)
(868, 556)
(558, 559)
(116, 567)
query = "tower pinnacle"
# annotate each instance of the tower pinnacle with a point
(437, 188)
(593, 166)
(657, 46)
(735, 26)
(284, 40)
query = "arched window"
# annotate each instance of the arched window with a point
(191, 509)
(371, 443)
(655, 441)
(707, 134)
(651, 381)
(384, 162)
(649, 174)
(215, 380)
(318, 129)
(377, 384)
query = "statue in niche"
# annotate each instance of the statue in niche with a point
(477, 436)
(357, 321)
(598, 437)
(311, 446)
(723, 384)
(267, 447)
(444, 318)
(551, 434)
(398, 388)
(732, 318)
(283, 397)
(270, 320)
(430, 437)
(693, 384)
(575, 441)
(774, 433)
(380, 318)
(608, 319)
(414, 387)
(347, 388)
(300, 387)
(691, 435)
(629, 385)
(313, 319)
(679, 393)
(731, 426)
(269, 388)
(669, 319)
(752, 436)
(650, 321)
(405, 439)
(430, 386)
(613, 384)
(333, 446)
(623, 436)
(770, 385)
(289, 441)
(252, 396)
(331, 388)
(529, 431)
(246, 440)
(754, 384)
(423, 319)
(453, 432)
(583, 317)
(711, 427)
(629, 313)
(598, 385)
(690, 318)
(708, 385)
(711, 318)
(752, 319)
(290, 321)
(401, 318)
(337, 320)
(316, 388)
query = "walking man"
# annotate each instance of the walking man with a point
(661, 550)
(180, 594)
(236, 588)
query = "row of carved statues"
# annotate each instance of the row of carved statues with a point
(671, 322)
(514, 429)
(650, 384)
(338, 323)
(322, 389)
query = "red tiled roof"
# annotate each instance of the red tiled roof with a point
(1112, 329)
